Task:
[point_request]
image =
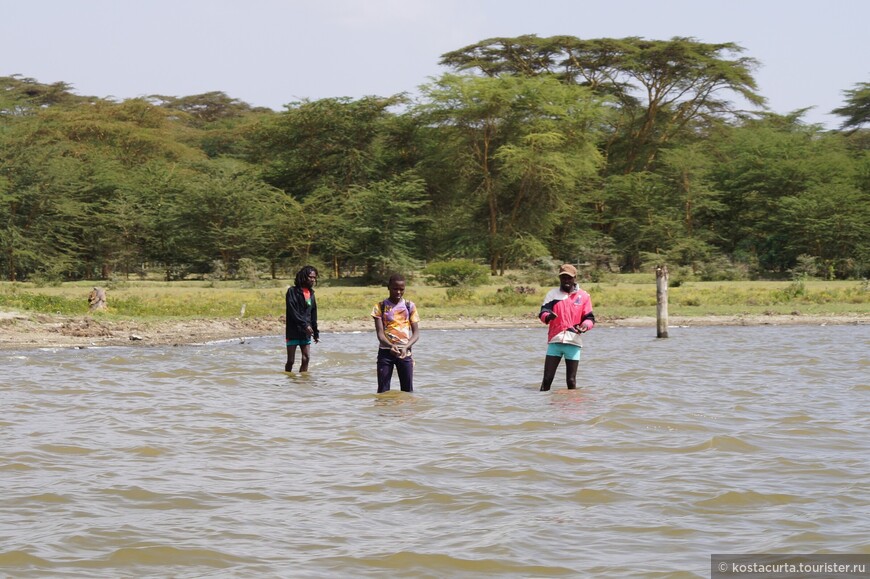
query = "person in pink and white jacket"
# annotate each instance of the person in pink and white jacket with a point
(567, 310)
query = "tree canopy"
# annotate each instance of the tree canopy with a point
(663, 87)
(620, 153)
(857, 108)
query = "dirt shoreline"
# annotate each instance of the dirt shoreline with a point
(19, 331)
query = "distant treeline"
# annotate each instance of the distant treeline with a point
(619, 153)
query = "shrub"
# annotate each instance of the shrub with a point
(459, 293)
(248, 272)
(720, 268)
(506, 296)
(794, 290)
(218, 270)
(42, 280)
(678, 275)
(117, 282)
(806, 267)
(457, 272)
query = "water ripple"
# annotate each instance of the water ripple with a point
(210, 461)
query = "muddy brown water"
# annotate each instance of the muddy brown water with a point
(210, 461)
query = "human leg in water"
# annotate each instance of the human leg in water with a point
(571, 373)
(385, 364)
(551, 363)
(291, 358)
(405, 370)
(305, 350)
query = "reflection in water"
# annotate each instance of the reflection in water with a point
(212, 461)
(570, 401)
(398, 404)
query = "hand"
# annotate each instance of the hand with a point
(309, 330)
(585, 326)
(550, 317)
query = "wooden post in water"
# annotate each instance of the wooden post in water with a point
(662, 301)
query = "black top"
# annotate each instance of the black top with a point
(300, 315)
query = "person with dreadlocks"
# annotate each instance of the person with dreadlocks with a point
(301, 318)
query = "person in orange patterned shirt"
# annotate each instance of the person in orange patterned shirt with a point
(396, 324)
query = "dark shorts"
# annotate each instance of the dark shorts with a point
(404, 368)
(302, 342)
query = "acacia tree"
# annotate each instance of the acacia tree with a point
(35, 212)
(203, 109)
(522, 145)
(856, 111)
(693, 203)
(830, 222)
(89, 185)
(635, 211)
(384, 218)
(334, 143)
(783, 183)
(21, 96)
(226, 212)
(34, 162)
(663, 87)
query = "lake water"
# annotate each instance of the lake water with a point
(210, 461)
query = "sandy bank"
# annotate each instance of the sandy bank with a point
(28, 331)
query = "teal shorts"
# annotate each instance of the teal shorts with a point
(304, 342)
(570, 351)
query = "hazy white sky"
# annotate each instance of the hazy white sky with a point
(272, 52)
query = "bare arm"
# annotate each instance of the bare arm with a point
(415, 334)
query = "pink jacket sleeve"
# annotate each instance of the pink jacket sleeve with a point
(587, 316)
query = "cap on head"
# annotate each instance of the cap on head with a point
(568, 269)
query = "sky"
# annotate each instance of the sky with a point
(270, 53)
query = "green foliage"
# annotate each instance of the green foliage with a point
(459, 293)
(150, 300)
(507, 296)
(663, 88)
(218, 270)
(806, 266)
(542, 270)
(857, 108)
(38, 302)
(792, 191)
(40, 279)
(720, 268)
(456, 273)
(795, 289)
(522, 147)
(248, 272)
(384, 218)
(331, 143)
(606, 152)
(203, 109)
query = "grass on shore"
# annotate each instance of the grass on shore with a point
(628, 296)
